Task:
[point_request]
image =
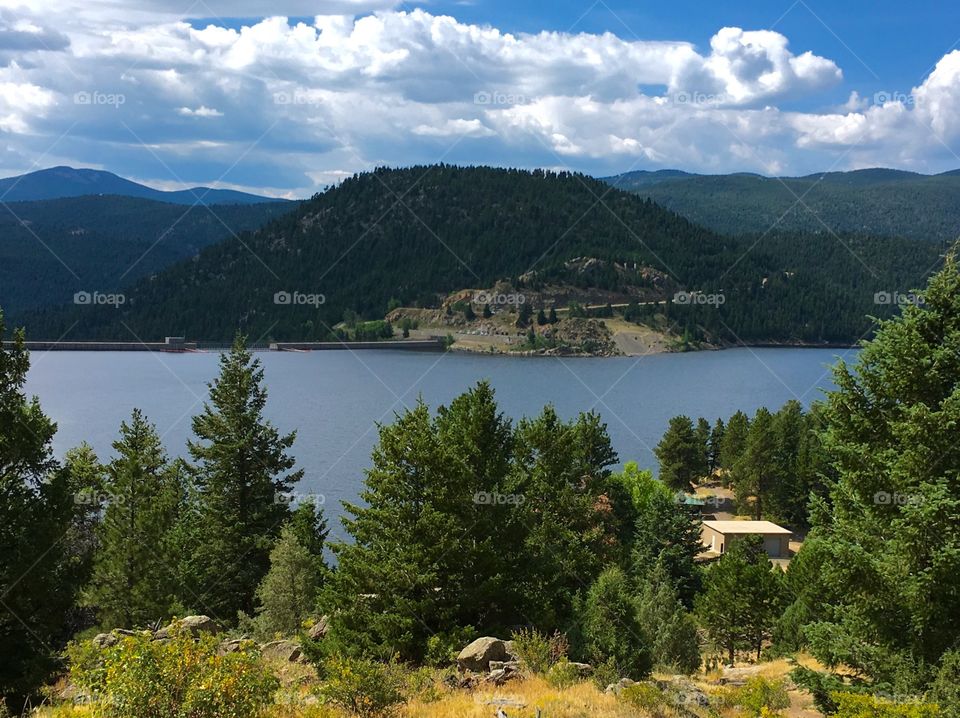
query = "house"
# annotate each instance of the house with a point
(718, 536)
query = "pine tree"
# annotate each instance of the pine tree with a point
(734, 440)
(716, 442)
(755, 472)
(288, 593)
(486, 311)
(38, 511)
(134, 582)
(240, 473)
(741, 598)
(675, 645)
(611, 626)
(680, 455)
(552, 316)
(886, 543)
(541, 317)
(703, 432)
(310, 527)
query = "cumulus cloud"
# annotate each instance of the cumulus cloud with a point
(347, 90)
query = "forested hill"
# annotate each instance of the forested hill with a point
(50, 249)
(872, 201)
(403, 236)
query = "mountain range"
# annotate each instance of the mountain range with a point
(409, 236)
(60, 182)
(871, 201)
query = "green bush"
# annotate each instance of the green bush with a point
(858, 705)
(945, 689)
(443, 648)
(562, 674)
(365, 688)
(605, 673)
(611, 625)
(760, 697)
(648, 698)
(181, 677)
(537, 651)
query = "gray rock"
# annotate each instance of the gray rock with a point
(512, 665)
(511, 648)
(106, 640)
(318, 630)
(477, 656)
(194, 625)
(617, 687)
(585, 670)
(233, 645)
(284, 651)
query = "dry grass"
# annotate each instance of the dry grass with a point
(521, 699)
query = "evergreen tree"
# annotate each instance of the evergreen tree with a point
(424, 557)
(309, 525)
(734, 440)
(486, 311)
(133, 581)
(288, 593)
(241, 472)
(541, 317)
(524, 314)
(568, 525)
(680, 455)
(741, 598)
(611, 626)
(716, 442)
(468, 312)
(703, 433)
(755, 472)
(675, 645)
(552, 316)
(38, 512)
(667, 537)
(887, 545)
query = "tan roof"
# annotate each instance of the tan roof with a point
(747, 527)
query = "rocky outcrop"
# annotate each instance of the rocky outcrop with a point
(194, 625)
(319, 629)
(105, 640)
(477, 655)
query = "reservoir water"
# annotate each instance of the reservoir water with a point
(334, 399)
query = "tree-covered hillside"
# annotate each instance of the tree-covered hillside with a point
(53, 248)
(408, 235)
(873, 201)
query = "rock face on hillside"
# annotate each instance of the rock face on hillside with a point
(477, 655)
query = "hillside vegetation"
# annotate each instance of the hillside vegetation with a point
(50, 249)
(408, 237)
(875, 201)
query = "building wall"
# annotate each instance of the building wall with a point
(775, 545)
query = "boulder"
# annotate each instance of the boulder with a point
(282, 651)
(512, 665)
(477, 655)
(232, 646)
(511, 649)
(318, 630)
(617, 687)
(584, 670)
(194, 625)
(105, 640)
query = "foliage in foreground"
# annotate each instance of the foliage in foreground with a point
(181, 677)
(365, 688)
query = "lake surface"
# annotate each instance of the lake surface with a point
(335, 398)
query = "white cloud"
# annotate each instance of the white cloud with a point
(202, 111)
(308, 101)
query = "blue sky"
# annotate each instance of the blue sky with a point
(175, 93)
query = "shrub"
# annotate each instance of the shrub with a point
(605, 673)
(537, 651)
(443, 648)
(945, 689)
(178, 678)
(648, 698)
(562, 674)
(858, 705)
(760, 697)
(425, 684)
(363, 687)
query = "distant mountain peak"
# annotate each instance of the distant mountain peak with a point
(62, 181)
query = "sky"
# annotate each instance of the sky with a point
(288, 97)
